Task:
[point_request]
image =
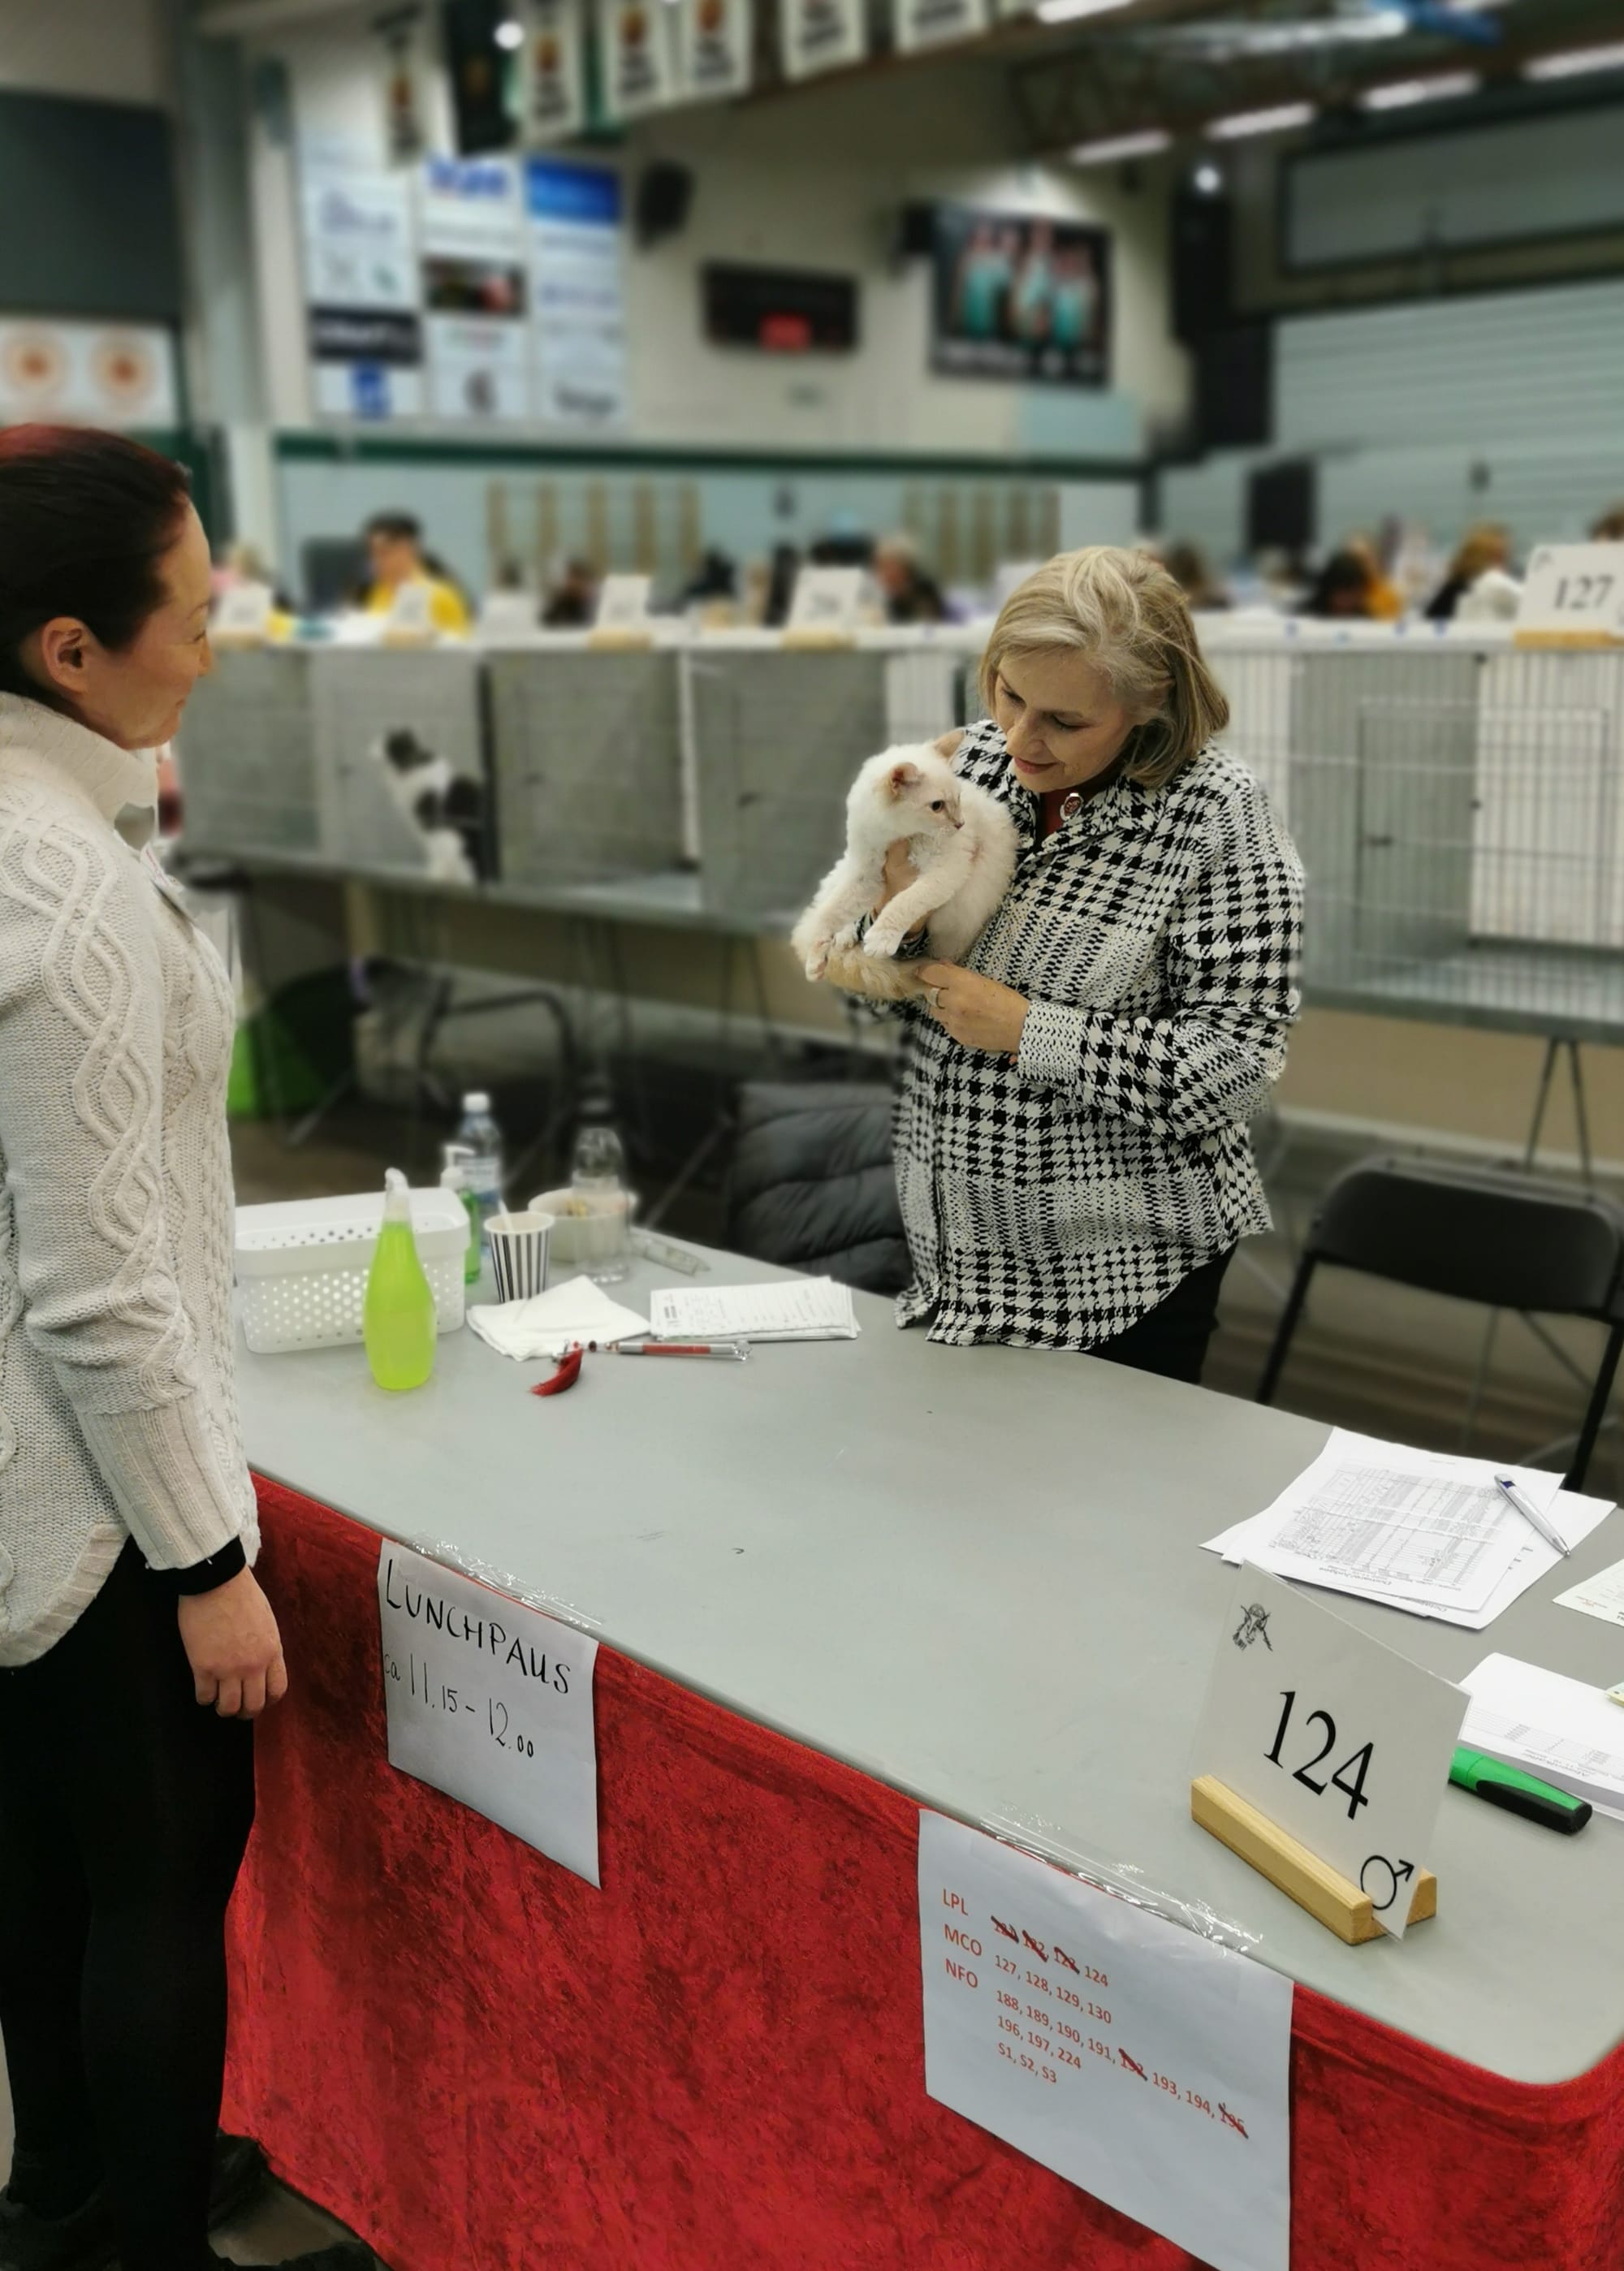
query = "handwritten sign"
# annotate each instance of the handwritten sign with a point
(623, 603)
(243, 615)
(826, 600)
(1342, 1743)
(410, 619)
(491, 1702)
(1130, 2056)
(1573, 596)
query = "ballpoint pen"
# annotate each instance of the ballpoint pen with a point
(738, 1351)
(1530, 1514)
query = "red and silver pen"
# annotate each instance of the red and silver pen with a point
(735, 1351)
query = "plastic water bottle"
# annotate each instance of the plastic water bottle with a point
(598, 1172)
(481, 1171)
(456, 1157)
(397, 1316)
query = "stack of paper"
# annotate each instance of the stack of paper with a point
(1417, 1530)
(795, 1309)
(1560, 1729)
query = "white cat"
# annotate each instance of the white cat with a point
(961, 843)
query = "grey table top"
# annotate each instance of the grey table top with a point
(671, 899)
(975, 1575)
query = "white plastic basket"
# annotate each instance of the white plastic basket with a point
(303, 1264)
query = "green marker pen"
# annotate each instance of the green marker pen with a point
(1519, 1792)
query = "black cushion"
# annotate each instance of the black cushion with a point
(812, 1186)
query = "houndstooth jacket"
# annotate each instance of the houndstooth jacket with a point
(1051, 1202)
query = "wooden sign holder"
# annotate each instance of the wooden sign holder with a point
(1568, 642)
(1338, 1903)
(811, 637)
(620, 639)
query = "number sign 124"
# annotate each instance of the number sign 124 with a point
(1354, 1790)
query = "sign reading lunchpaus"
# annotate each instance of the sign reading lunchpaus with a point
(1021, 296)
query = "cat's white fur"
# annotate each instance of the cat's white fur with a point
(961, 843)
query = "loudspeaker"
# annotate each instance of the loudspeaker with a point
(664, 194)
(1282, 506)
(1234, 387)
(1201, 263)
(916, 232)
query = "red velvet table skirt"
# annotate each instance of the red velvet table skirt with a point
(716, 2063)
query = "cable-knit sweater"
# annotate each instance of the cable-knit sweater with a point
(119, 1415)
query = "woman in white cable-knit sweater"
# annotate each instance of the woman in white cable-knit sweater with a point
(135, 1647)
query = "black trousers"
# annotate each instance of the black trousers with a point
(1172, 1338)
(124, 1810)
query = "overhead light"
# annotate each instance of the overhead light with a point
(1067, 11)
(1281, 120)
(1146, 144)
(508, 35)
(1568, 63)
(1399, 94)
(1207, 180)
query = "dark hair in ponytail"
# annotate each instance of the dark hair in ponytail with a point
(85, 519)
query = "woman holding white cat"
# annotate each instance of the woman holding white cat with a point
(1072, 1142)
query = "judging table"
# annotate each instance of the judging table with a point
(845, 1580)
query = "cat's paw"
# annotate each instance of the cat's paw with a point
(817, 959)
(846, 938)
(882, 940)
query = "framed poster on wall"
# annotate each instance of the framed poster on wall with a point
(475, 287)
(576, 245)
(118, 374)
(1021, 296)
(361, 287)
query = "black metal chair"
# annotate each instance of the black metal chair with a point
(1505, 1239)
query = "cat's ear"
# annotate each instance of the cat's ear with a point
(903, 777)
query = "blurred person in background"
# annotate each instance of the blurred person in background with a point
(136, 1646)
(571, 604)
(396, 555)
(1341, 590)
(1384, 601)
(1485, 546)
(911, 594)
(1610, 528)
(1187, 564)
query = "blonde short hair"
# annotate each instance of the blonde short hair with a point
(1125, 613)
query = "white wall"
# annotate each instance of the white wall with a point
(112, 50)
(812, 179)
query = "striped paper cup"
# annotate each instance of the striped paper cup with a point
(518, 1251)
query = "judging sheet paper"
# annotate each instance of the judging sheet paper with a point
(1556, 1727)
(1136, 2059)
(794, 1309)
(1419, 1531)
(1601, 1595)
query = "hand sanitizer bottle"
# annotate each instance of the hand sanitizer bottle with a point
(397, 1316)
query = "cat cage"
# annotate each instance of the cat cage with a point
(774, 737)
(1458, 802)
(401, 766)
(586, 752)
(246, 755)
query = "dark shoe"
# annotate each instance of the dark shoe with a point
(239, 2175)
(85, 2241)
(80, 2241)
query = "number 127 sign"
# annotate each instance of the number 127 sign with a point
(1341, 1742)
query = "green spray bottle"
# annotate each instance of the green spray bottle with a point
(397, 1316)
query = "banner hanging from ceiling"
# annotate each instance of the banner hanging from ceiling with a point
(577, 254)
(713, 47)
(934, 23)
(362, 289)
(551, 74)
(1021, 296)
(470, 227)
(819, 35)
(634, 49)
